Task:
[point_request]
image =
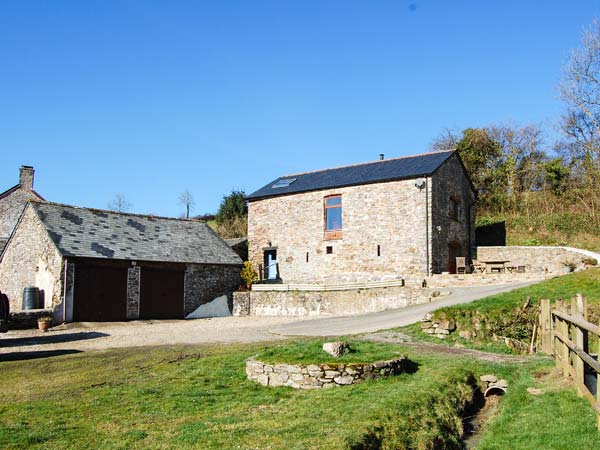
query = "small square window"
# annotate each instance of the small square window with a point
(329, 250)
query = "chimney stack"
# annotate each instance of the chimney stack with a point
(381, 156)
(26, 177)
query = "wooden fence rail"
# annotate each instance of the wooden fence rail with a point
(565, 333)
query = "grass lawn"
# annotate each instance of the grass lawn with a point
(310, 352)
(504, 314)
(199, 397)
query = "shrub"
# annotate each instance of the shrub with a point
(571, 265)
(249, 274)
(590, 261)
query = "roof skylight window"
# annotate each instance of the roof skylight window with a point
(283, 183)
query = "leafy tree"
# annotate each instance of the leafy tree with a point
(481, 156)
(557, 176)
(232, 206)
(232, 216)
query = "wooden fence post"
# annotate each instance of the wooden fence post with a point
(546, 327)
(598, 390)
(578, 340)
(563, 329)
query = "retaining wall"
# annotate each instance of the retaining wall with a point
(313, 303)
(542, 259)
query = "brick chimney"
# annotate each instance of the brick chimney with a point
(26, 177)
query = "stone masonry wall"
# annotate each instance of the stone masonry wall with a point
(31, 259)
(389, 215)
(385, 234)
(11, 208)
(204, 282)
(449, 182)
(312, 303)
(318, 376)
(549, 260)
(133, 292)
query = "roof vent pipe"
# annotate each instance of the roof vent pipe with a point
(381, 156)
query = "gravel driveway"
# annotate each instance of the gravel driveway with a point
(84, 336)
(101, 335)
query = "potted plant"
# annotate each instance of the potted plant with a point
(44, 323)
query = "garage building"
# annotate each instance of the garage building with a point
(95, 265)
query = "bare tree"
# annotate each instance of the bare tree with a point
(446, 140)
(580, 89)
(186, 199)
(119, 203)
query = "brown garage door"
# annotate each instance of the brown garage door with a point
(100, 294)
(161, 294)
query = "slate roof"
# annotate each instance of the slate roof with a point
(366, 173)
(93, 233)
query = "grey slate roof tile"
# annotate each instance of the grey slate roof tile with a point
(84, 232)
(374, 172)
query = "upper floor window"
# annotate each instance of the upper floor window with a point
(333, 217)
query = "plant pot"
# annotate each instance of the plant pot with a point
(43, 325)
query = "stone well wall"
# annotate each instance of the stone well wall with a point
(318, 376)
(537, 259)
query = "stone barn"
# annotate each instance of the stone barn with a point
(376, 221)
(13, 201)
(95, 265)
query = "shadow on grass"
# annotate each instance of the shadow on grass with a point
(410, 366)
(50, 339)
(23, 356)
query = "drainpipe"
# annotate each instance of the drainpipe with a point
(427, 222)
(469, 251)
(64, 288)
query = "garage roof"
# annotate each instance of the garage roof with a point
(373, 172)
(94, 233)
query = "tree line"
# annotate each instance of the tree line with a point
(517, 169)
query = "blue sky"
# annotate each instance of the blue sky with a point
(149, 98)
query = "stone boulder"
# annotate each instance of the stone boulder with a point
(335, 349)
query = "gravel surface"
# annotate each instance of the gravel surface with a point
(86, 336)
(98, 335)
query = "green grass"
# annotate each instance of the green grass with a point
(557, 419)
(311, 352)
(199, 398)
(586, 282)
(505, 314)
(564, 228)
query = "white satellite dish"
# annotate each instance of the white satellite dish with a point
(420, 183)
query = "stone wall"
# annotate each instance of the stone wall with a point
(31, 259)
(550, 260)
(383, 215)
(11, 207)
(133, 292)
(318, 376)
(313, 303)
(204, 282)
(386, 229)
(451, 182)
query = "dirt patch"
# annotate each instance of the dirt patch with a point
(427, 347)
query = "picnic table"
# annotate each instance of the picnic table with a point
(498, 265)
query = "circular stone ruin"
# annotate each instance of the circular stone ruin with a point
(318, 376)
